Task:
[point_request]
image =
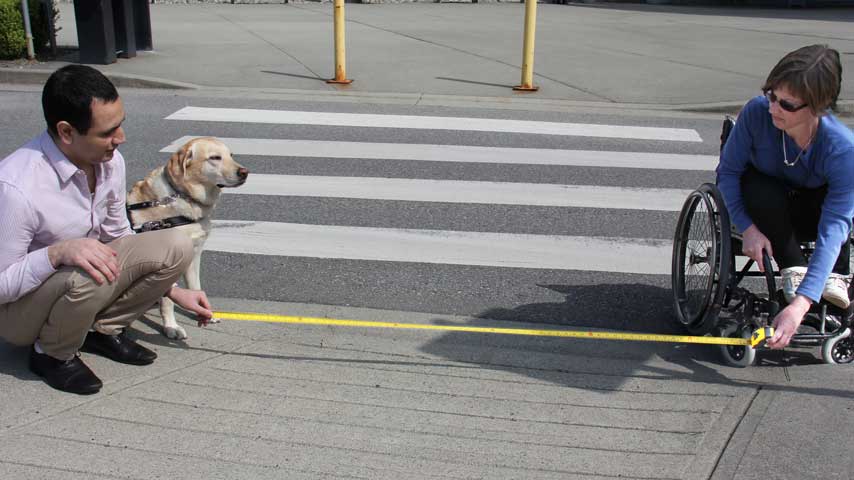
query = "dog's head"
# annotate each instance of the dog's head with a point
(208, 162)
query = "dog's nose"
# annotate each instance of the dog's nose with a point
(242, 172)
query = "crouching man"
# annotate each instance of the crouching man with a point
(73, 275)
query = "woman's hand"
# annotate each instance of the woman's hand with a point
(752, 244)
(195, 301)
(786, 322)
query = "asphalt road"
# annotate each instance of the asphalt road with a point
(241, 399)
(568, 297)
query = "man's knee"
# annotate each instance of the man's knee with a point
(70, 295)
(172, 246)
(179, 246)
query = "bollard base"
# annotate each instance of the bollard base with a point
(345, 81)
(526, 88)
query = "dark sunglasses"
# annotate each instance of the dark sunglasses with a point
(784, 104)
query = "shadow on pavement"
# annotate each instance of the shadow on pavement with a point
(502, 85)
(613, 306)
(309, 77)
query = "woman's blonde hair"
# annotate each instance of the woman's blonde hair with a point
(813, 73)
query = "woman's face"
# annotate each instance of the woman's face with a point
(785, 120)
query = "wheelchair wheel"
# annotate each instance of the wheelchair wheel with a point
(838, 349)
(702, 260)
(736, 356)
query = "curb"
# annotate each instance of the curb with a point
(122, 80)
(12, 75)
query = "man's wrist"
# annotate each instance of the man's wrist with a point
(171, 289)
(53, 256)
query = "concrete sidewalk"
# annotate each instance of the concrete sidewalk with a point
(608, 54)
(256, 400)
(246, 400)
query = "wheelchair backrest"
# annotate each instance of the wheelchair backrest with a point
(729, 123)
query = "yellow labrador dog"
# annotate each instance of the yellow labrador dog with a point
(182, 194)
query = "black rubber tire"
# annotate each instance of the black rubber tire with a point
(735, 356)
(838, 349)
(702, 260)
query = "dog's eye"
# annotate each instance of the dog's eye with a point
(215, 157)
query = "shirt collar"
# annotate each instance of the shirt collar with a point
(63, 166)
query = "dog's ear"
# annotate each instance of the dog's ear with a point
(189, 153)
(179, 160)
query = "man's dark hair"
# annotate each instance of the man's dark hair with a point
(68, 96)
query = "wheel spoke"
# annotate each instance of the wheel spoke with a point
(699, 258)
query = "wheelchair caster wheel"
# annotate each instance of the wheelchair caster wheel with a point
(735, 355)
(838, 349)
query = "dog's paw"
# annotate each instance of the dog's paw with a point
(175, 333)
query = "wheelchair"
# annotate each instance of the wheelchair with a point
(709, 295)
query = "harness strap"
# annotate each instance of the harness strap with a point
(153, 203)
(163, 224)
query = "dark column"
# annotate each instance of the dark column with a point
(123, 20)
(142, 24)
(95, 31)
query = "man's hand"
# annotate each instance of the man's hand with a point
(786, 322)
(195, 301)
(97, 259)
(752, 244)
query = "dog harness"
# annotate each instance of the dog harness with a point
(163, 224)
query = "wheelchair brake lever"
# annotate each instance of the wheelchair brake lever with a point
(769, 272)
(773, 305)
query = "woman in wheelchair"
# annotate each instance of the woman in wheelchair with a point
(785, 189)
(786, 175)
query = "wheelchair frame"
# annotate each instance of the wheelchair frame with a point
(706, 282)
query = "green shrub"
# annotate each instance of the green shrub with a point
(13, 41)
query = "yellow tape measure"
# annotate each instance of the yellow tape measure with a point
(599, 335)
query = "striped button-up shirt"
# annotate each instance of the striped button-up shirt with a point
(45, 199)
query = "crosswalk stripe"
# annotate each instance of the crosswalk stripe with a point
(460, 153)
(244, 115)
(603, 254)
(457, 191)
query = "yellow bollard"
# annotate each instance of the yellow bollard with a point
(340, 60)
(528, 48)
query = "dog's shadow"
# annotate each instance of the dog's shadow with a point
(154, 334)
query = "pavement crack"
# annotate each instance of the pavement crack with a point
(437, 412)
(473, 54)
(274, 46)
(460, 395)
(71, 470)
(476, 435)
(162, 454)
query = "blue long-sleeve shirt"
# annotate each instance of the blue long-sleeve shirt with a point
(829, 160)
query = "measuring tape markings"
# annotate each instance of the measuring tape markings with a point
(599, 335)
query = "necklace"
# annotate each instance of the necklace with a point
(785, 157)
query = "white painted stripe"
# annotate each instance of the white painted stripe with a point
(245, 115)
(602, 254)
(460, 153)
(457, 191)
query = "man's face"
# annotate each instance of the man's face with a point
(104, 135)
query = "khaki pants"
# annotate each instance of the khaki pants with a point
(61, 310)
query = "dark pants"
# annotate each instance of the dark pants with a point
(787, 217)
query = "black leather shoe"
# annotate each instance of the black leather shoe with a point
(71, 376)
(118, 348)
